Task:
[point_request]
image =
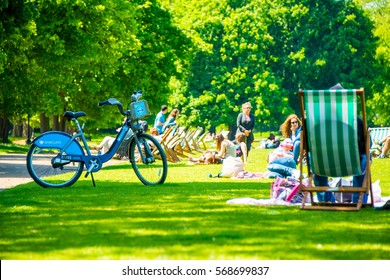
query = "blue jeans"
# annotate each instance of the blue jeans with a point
(356, 182)
(323, 196)
(296, 149)
(281, 167)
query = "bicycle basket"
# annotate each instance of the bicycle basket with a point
(139, 110)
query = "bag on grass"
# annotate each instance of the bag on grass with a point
(286, 189)
(231, 166)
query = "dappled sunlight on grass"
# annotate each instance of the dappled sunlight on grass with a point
(185, 218)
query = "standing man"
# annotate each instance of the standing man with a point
(160, 119)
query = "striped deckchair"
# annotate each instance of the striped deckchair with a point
(378, 133)
(329, 142)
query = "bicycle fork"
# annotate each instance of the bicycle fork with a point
(147, 156)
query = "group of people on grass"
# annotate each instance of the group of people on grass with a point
(285, 154)
(283, 160)
(239, 147)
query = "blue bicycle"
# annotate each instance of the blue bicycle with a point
(57, 159)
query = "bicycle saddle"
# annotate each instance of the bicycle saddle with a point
(73, 115)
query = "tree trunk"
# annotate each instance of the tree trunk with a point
(4, 129)
(44, 123)
(63, 123)
(232, 131)
(25, 129)
(17, 131)
(55, 123)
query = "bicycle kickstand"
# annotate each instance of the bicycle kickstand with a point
(93, 180)
(89, 171)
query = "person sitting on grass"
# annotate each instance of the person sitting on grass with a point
(281, 161)
(225, 148)
(241, 148)
(272, 142)
(291, 128)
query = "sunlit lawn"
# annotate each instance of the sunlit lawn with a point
(186, 218)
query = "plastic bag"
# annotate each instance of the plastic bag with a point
(377, 191)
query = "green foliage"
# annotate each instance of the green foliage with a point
(17, 31)
(204, 57)
(77, 53)
(79, 45)
(379, 106)
(263, 52)
(162, 55)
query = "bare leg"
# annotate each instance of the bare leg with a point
(386, 147)
(105, 144)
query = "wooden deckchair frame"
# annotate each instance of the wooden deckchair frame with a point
(310, 188)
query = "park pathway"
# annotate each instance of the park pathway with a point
(13, 170)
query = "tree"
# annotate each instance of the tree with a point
(81, 52)
(79, 45)
(379, 105)
(264, 51)
(321, 43)
(17, 31)
(162, 55)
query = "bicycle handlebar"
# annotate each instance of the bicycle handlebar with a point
(112, 101)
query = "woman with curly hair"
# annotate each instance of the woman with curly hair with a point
(291, 128)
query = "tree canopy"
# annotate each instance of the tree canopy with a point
(204, 57)
(263, 51)
(72, 54)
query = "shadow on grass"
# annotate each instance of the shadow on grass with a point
(120, 164)
(14, 148)
(178, 220)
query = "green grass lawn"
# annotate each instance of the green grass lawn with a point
(186, 218)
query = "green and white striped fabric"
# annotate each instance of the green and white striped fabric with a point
(331, 124)
(378, 133)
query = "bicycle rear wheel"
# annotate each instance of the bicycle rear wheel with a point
(148, 160)
(41, 169)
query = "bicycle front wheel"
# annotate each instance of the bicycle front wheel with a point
(148, 160)
(41, 168)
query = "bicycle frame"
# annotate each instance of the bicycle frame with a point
(56, 153)
(72, 151)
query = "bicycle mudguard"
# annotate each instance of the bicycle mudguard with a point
(58, 139)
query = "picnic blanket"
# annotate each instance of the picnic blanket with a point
(260, 202)
(279, 202)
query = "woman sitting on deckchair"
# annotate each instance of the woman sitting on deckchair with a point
(386, 146)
